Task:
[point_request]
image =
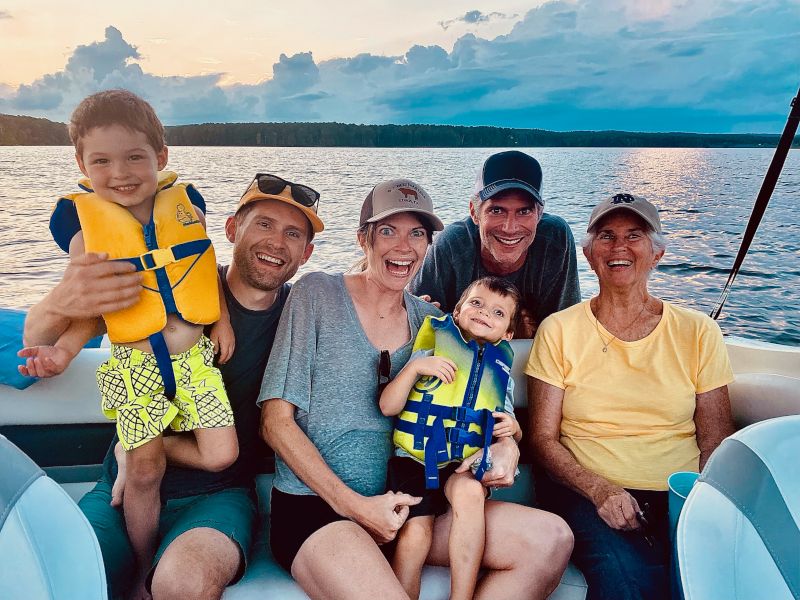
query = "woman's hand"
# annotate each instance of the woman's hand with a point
(617, 507)
(383, 516)
(505, 456)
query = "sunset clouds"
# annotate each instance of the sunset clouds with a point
(717, 66)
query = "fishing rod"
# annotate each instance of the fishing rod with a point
(764, 195)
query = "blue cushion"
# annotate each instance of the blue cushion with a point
(11, 326)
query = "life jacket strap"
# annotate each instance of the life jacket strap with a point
(487, 426)
(161, 257)
(164, 362)
(437, 437)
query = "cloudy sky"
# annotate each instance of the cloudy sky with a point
(645, 65)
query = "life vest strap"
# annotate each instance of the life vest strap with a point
(164, 362)
(437, 437)
(161, 257)
(454, 413)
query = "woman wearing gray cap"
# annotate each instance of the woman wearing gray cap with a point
(626, 389)
(339, 338)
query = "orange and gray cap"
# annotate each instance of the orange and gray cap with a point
(253, 194)
(398, 196)
(635, 204)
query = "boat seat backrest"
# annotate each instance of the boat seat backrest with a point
(759, 396)
(742, 508)
(47, 547)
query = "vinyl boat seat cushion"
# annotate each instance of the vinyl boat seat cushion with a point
(47, 547)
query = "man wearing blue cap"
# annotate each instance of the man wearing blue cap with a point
(509, 235)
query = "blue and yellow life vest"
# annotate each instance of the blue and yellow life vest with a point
(442, 423)
(173, 252)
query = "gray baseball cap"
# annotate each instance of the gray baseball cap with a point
(634, 204)
(398, 196)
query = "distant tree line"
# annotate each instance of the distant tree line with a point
(29, 131)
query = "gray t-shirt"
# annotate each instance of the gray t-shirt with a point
(324, 364)
(548, 281)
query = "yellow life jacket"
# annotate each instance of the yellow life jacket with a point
(179, 269)
(443, 423)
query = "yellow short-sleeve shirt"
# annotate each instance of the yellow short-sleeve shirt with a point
(628, 413)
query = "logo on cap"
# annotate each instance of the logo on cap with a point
(409, 194)
(622, 199)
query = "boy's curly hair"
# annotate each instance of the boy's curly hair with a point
(115, 107)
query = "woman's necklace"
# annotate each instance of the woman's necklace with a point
(605, 343)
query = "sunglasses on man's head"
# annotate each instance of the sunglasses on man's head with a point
(274, 185)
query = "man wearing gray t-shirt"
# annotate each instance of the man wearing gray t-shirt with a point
(508, 235)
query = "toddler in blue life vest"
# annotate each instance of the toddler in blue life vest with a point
(160, 374)
(452, 398)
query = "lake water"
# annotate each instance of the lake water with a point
(705, 196)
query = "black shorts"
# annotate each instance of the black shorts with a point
(292, 520)
(406, 475)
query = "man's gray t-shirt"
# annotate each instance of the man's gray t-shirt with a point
(323, 363)
(548, 281)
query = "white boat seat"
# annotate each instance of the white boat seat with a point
(740, 520)
(48, 550)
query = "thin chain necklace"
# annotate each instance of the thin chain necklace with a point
(603, 341)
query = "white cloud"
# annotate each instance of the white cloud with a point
(721, 65)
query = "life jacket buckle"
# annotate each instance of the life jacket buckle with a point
(454, 435)
(460, 414)
(157, 259)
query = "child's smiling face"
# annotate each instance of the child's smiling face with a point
(122, 167)
(485, 316)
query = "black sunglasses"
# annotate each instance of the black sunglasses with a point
(302, 194)
(384, 370)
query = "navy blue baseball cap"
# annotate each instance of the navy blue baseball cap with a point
(511, 170)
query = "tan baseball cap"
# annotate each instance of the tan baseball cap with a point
(398, 196)
(307, 203)
(635, 204)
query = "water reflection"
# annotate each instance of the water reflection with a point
(705, 197)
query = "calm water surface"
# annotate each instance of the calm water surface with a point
(705, 196)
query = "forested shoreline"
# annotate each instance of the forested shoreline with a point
(31, 131)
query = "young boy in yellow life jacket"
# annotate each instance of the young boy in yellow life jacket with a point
(453, 397)
(160, 374)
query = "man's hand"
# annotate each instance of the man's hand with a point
(93, 285)
(427, 298)
(223, 338)
(44, 361)
(526, 325)
(383, 516)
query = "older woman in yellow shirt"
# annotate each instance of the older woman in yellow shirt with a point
(626, 389)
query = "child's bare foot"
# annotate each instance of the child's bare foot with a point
(118, 490)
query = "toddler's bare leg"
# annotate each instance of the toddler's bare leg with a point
(413, 544)
(213, 449)
(467, 534)
(142, 505)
